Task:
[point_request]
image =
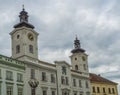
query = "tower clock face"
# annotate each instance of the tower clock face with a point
(30, 37)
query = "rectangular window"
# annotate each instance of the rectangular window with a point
(52, 78)
(20, 91)
(44, 76)
(109, 90)
(32, 91)
(113, 90)
(9, 90)
(17, 49)
(104, 90)
(93, 89)
(64, 70)
(44, 92)
(86, 83)
(98, 89)
(19, 77)
(32, 74)
(53, 92)
(9, 75)
(74, 82)
(62, 80)
(30, 48)
(80, 84)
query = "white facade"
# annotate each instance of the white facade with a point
(42, 78)
(11, 76)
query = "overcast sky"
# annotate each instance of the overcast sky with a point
(96, 23)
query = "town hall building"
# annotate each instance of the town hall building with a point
(25, 74)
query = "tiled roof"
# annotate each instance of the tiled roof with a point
(98, 78)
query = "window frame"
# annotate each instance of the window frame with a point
(31, 49)
(9, 90)
(44, 76)
(19, 77)
(20, 91)
(17, 49)
(9, 75)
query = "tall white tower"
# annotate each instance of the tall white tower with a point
(24, 39)
(79, 58)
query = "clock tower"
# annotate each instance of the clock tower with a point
(79, 58)
(24, 39)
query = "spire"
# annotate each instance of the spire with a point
(23, 15)
(77, 46)
(23, 20)
(23, 7)
(77, 43)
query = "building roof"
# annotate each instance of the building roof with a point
(98, 78)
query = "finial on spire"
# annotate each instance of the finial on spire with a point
(23, 15)
(77, 46)
(76, 37)
(23, 7)
(76, 42)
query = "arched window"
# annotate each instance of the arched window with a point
(30, 48)
(76, 67)
(18, 49)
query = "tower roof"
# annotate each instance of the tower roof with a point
(23, 20)
(77, 46)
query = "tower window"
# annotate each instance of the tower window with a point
(83, 58)
(84, 66)
(18, 49)
(30, 48)
(18, 36)
(75, 58)
(76, 67)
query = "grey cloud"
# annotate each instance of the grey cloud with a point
(95, 22)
